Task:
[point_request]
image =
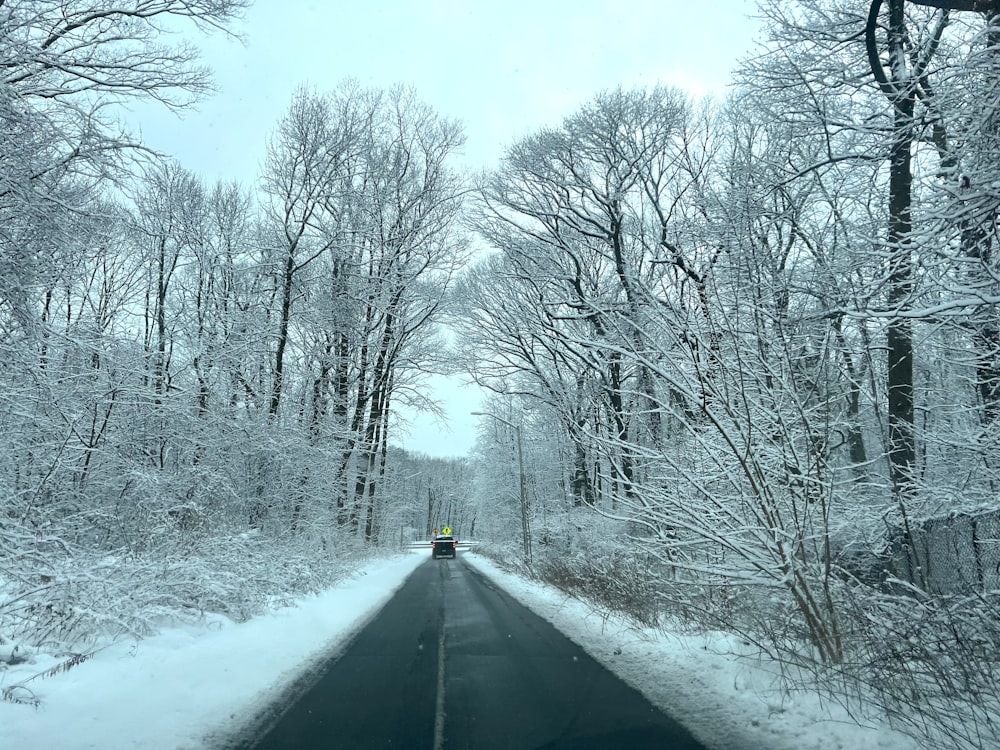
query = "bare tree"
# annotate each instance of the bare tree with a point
(363, 203)
(899, 85)
(63, 66)
(303, 162)
(592, 208)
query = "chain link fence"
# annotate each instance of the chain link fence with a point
(952, 555)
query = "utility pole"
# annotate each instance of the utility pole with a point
(522, 484)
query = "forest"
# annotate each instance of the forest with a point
(742, 355)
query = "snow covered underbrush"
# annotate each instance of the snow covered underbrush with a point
(70, 602)
(928, 666)
(931, 664)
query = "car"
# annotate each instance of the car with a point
(443, 545)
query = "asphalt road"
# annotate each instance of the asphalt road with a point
(452, 662)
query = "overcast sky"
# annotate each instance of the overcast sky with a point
(504, 68)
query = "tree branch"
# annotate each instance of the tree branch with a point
(874, 61)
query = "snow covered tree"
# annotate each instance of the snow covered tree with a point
(584, 214)
(64, 67)
(362, 206)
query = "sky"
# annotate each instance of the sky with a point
(190, 687)
(504, 68)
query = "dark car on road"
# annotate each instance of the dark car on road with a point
(443, 546)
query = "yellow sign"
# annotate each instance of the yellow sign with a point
(446, 530)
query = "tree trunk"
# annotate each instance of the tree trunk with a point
(899, 337)
(286, 312)
(899, 87)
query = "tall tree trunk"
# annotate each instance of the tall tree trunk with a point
(286, 313)
(978, 241)
(899, 87)
(378, 412)
(899, 336)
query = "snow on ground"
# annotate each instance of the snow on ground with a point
(183, 688)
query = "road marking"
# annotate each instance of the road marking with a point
(439, 703)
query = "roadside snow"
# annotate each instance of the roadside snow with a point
(187, 687)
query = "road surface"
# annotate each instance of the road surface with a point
(453, 662)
